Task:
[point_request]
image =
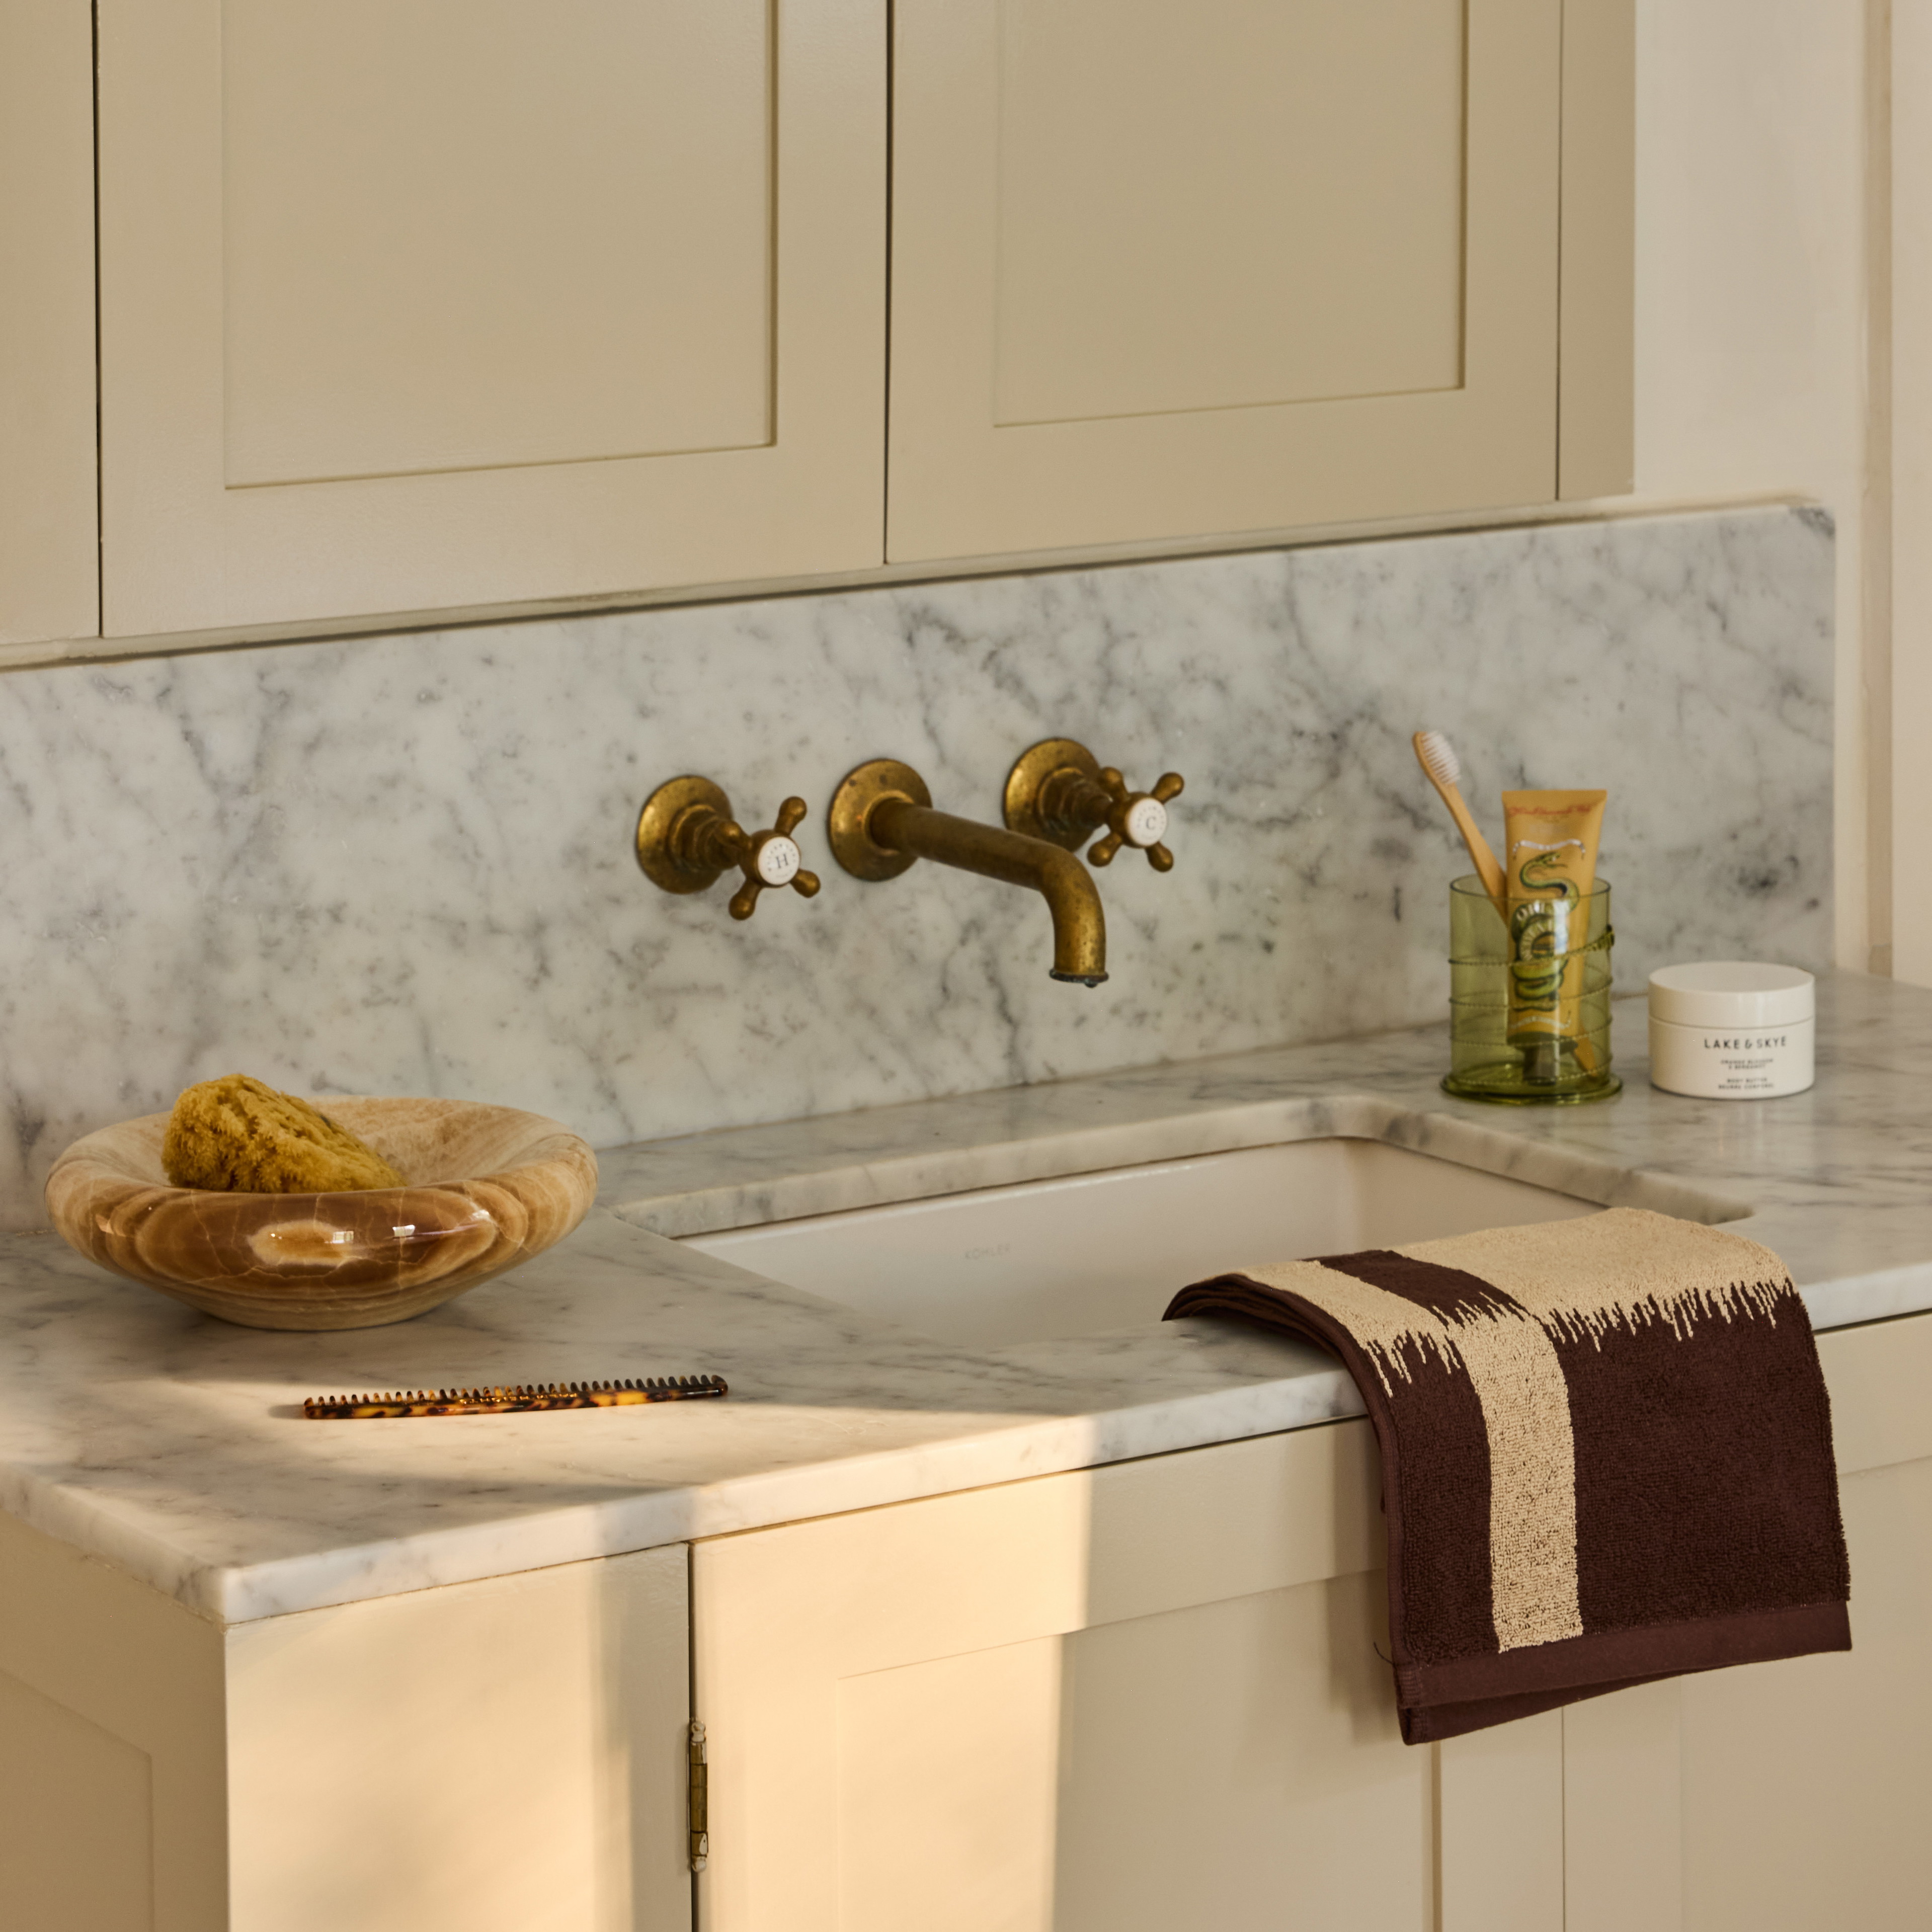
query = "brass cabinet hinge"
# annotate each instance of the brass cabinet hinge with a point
(700, 1797)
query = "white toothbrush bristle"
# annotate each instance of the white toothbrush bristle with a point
(1438, 757)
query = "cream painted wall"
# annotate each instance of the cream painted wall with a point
(1909, 474)
(1751, 332)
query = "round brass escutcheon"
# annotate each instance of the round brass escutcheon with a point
(859, 792)
(1027, 780)
(671, 805)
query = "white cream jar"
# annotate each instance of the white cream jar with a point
(1729, 1030)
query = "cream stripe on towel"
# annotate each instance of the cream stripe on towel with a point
(1519, 1383)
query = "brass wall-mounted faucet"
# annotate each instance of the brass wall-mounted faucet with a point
(687, 837)
(1059, 790)
(881, 821)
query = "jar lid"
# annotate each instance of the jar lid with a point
(1732, 992)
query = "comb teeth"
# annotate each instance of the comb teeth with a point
(522, 1397)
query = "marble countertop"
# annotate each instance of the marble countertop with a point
(171, 1445)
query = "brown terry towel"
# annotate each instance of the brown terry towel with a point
(1607, 1455)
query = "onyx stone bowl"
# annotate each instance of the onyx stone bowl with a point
(485, 1188)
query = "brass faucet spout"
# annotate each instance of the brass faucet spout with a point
(1079, 925)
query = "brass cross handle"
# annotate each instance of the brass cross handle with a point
(687, 837)
(1060, 790)
(1137, 818)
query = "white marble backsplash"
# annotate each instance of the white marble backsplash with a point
(403, 865)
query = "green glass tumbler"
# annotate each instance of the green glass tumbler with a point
(1529, 1000)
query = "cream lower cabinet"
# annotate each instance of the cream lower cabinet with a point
(1148, 1697)
(1785, 1798)
(504, 1756)
(1162, 271)
(412, 303)
(1135, 1699)
(1145, 1697)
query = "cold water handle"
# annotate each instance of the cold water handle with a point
(1059, 790)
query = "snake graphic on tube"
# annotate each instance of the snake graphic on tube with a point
(1538, 954)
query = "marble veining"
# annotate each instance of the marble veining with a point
(403, 865)
(171, 1445)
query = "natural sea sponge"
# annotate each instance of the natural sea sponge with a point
(236, 1136)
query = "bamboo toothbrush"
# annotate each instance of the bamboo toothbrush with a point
(1437, 758)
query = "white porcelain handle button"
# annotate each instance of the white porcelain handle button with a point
(1146, 823)
(772, 860)
(778, 861)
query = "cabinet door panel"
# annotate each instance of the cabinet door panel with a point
(1238, 1764)
(507, 1755)
(1209, 1766)
(1783, 1797)
(1500, 1826)
(945, 1814)
(1159, 271)
(1141, 1696)
(112, 1749)
(76, 1820)
(1623, 1808)
(405, 291)
(49, 559)
(1804, 1782)
(1143, 269)
(412, 303)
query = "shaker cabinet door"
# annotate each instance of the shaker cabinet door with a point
(1785, 1797)
(1164, 270)
(409, 304)
(49, 562)
(1129, 1700)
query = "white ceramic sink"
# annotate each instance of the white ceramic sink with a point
(1089, 1252)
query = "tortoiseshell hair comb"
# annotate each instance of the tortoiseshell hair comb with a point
(513, 1401)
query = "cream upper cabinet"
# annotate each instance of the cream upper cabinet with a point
(416, 304)
(48, 561)
(1164, 272)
